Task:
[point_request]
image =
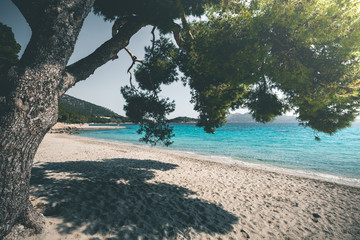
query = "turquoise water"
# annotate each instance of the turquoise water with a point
(288, 146)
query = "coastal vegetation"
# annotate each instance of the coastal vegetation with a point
(183, 120)
(270, 56)
(74, 110)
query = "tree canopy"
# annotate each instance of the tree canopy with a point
(270, 56)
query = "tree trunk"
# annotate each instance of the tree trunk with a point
(20, 138)
(29, 109)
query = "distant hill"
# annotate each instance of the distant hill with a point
(247, 118)
(183, 120)
(74, 110)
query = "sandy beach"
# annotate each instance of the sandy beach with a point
(91, 189)
(71, 127)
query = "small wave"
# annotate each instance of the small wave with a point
(265, 166)
(266, 148)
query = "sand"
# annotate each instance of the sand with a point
(71, 127)
(91, 189)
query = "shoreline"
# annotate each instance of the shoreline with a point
(94, 189)
(297, 172)
(70, 128)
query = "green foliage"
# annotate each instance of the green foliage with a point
(264, 105)
(149, 111)
(300, 48)
(219, 69)
(158, 67)
(160, 13)
(156, 132)
(183, 120)
(9, 50)
(68, 116)
(73, 110)
(145, 108)
(315, 60)
(268, 55)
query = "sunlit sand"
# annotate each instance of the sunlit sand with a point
(91, 189)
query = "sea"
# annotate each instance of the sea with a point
(280, 147)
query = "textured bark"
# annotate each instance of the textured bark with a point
(83, 68)
(30, 108)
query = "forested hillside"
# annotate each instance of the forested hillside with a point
(183, 120)
(74, 110)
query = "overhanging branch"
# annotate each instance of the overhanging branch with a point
(178, 38)
(85, 67)
(184, 21)
(134, 60)
(153, 39)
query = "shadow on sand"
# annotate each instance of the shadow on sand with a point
(112, 197)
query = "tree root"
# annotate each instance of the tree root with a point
(33, 219)
(29, 223)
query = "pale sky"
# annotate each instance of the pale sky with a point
(103, 87)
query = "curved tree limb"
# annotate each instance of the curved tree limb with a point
(180, 41)
(184, 21)
(153, 39)
(134, 60)
(85, 67)
(49, 22)
(178, 38)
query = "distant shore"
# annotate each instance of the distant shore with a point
(96, 189)
(72, 127)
